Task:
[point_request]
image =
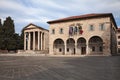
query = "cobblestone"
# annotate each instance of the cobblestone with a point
(59, 68)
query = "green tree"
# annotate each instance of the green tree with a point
(21, 40)
(0, 24)
(1, 34)
(8, 34)
(8, 27)
(9, 40)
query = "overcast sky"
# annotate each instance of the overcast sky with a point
(39, 12)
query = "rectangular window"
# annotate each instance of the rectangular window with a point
(118, 31)
(119, 43)
(100, 48)
(102, 27)
(67, 49)
(118, 37)
(118, 50)
(59, 42)
(60, 50)
(53, 31)
(91, 28)
(93, 49)
(61, 31)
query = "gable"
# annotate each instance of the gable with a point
(31, 27)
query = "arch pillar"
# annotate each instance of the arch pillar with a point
(76, 49)
(65, 52)
(87, 47)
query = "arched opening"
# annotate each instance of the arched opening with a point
(58, 47)
(81, 46)
(71, 46)
(96, 45)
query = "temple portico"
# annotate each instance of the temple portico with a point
(35, 38)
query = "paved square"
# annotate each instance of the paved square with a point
(59, 68)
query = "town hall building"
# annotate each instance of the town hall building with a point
(89, 34)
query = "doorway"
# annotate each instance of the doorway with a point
(74, 51)
(83, 50)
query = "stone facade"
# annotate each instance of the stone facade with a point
(118, 40)
(35, 38)
(95, 34)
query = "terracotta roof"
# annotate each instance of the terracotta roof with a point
(118, 29)
(86, 16)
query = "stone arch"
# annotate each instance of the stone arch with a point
(58, 47)
(70, 46)
(81, 46)
(96, 45)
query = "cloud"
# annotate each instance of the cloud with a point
(40, 11)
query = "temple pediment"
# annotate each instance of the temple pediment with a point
(32, 26)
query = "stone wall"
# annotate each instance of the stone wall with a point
(87, 34)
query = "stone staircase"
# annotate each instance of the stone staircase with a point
(42, 52)
(33, 52)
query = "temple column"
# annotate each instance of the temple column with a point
(41, 41)
(24, 40)
(34, 40)
(29, 41)
(38, 40)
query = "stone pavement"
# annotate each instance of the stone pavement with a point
(59, 68)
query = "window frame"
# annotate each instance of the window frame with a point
(118, 37)
(60, 49)
(101, 49)
(118, 42)
(61, 31)
(91, 27)
(93, 48)
(67, 49)
(53, 31)
(102, 26)
(118, 50)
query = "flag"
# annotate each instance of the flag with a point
(81, 31)
(75, 30)
(70, 31)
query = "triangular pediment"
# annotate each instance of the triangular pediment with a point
(31, 26)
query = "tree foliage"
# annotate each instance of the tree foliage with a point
(9, 40)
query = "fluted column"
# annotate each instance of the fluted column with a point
(24, 40)
(34, 40)
(41, 41)
(29, 38)
(38, 40)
